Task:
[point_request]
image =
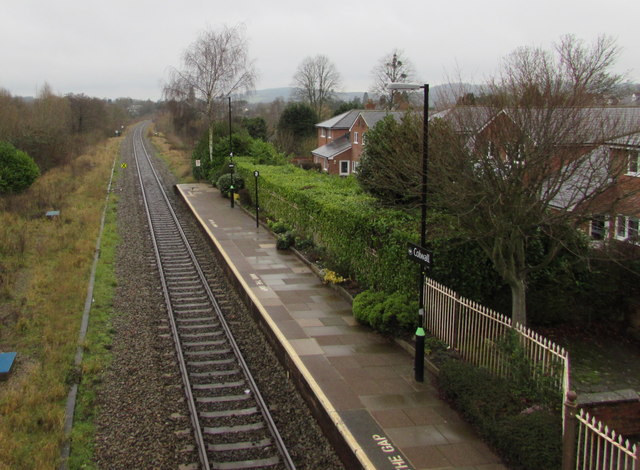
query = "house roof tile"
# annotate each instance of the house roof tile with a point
(332, 149)
(348, 119)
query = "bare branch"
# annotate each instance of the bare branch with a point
(213, 66)
(391, 68)
(316, 80)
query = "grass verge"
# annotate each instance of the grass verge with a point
(44, 268)
(178, 161)
(97, 346)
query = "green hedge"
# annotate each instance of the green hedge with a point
(367, 243)
(362, 241)
(527, 437)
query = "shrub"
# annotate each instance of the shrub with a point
(304, 243)
(530, 440)
(224, 184)
(331, 277)
(308, 165)
(527, 440)
(17, 169)
(278, 227)
(285, 240)
(367, 306)
(386, 313)
(264, 153)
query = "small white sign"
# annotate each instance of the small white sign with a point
(197, 162)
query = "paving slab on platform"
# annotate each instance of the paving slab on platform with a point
(364, 382)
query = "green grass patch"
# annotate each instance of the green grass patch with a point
(178, 160)
(44, 273)
(97, 347)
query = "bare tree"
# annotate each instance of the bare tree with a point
(525, 165)
(588, 68)
(214, 66)
(392, 68)
(530, 162)
(316, 80)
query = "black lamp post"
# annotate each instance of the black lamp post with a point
(419, 357)
(231, 164)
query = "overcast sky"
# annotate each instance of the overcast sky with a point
(118, 48)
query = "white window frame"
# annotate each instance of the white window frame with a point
(323, 132)
(342, 173)
(355, 137)
(627, 228)
(595, 231)
(492, 151)
(364, 138)
(354, 167)
(633, 169)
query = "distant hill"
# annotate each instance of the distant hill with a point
(268, 95)
(437, 93)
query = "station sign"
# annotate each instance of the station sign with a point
(419, 254)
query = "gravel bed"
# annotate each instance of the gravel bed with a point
(142, 420)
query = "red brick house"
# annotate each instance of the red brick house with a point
(613, 213)
(342, 138)
(623, 223)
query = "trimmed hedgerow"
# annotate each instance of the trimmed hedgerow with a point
(362, 241)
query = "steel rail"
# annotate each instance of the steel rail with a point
(140, 150)
(200, 444)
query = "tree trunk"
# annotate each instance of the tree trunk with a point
(211, 142)
(518, 302)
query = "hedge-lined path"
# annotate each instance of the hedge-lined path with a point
(362, 383)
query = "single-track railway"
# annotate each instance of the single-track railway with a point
(232, 426)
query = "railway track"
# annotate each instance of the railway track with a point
(231, 423)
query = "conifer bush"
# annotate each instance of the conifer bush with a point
(17, 169)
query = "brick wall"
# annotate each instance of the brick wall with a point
(618, 410)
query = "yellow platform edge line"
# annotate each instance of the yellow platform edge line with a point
(324, 401)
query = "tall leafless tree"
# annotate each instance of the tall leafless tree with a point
(588, 69)
(214, 66)
(316, 80)
(392, 68)
(530, 161)
(526, 164)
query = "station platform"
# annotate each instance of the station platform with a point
(361, 384)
